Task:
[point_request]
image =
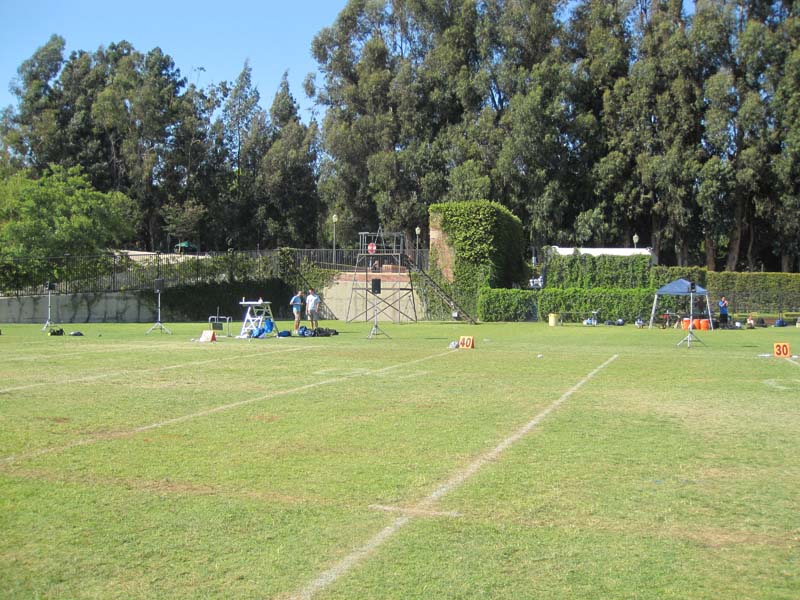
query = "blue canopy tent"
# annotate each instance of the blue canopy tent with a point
(681, 287)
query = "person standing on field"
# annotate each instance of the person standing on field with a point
(723, 312)
(297, 308)
(312, 308)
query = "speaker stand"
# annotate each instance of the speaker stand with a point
(158, 324)
(375, 329)
(691, 337)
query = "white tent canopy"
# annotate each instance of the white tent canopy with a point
(681, 287)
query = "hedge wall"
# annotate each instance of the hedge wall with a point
(746, 292)
(501, 304)
(199, 301)
(573, 304)
(585, 271)
(250, 278)
(756, 292)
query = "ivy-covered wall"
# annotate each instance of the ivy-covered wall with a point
(483, 235)
(476, 244)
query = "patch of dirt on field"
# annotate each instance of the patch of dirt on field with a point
(163, 486)
(265, 418)
(709, 537)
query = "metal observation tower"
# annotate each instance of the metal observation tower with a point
(382, 284)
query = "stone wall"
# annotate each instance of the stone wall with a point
(118, 307)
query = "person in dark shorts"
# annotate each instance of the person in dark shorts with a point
(297, 308)
(723, 312)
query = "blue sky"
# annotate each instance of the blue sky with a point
(275, 35)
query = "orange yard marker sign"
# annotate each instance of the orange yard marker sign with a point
(208, 336)
(466, 341)
(782, 350)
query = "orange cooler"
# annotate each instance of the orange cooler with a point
(704, 324)
(685, 323)
(696, 324)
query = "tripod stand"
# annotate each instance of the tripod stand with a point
(691, 337)
(375, 329)
(158, 324)
(49, 322)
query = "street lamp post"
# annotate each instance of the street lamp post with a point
(334, 218)
(635, 240)
(416, 253)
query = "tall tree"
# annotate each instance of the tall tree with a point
(784, 79)
(732, 41)
(239, 111)
(653, 118)
(33, 131)
(599, 50)
(287, 203)
(353, 120)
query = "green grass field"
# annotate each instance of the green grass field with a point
(548, 462)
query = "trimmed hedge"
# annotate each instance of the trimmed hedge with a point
(612, 303)
(572, 304)
(757, 292)
(484, 234)
(501, 304)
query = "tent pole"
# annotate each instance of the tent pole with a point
(653, 312)
(710, 316)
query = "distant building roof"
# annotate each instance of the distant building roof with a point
(603, 251)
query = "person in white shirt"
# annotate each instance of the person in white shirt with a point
(312, 308)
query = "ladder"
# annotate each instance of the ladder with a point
(428, 280)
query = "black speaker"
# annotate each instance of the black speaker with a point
(50, 286)
(158, 285)
(692, 287)
(376, 286)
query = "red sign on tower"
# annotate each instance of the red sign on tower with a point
(372, 248)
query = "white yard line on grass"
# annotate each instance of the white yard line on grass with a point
(111, 374)
(77, 352)
(415, 512)
(423, 507)
(204, 413)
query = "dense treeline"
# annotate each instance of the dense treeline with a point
(206, 165)
(591, 121)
